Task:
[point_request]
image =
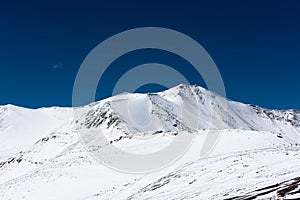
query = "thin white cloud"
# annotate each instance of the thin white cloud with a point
(56, 66)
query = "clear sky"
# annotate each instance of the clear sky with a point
(255, 45)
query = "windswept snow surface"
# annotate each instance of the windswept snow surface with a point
(257, 153)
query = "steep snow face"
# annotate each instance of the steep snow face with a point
(234, 114)
(42, 155)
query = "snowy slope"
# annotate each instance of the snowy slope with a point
(42, 155)
(21, 127)
(242, 161)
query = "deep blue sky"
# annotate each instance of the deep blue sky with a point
(255, 45)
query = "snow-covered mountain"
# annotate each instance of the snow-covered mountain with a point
(188, 108)
(43, 154)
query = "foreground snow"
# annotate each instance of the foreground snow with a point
(241, 162)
